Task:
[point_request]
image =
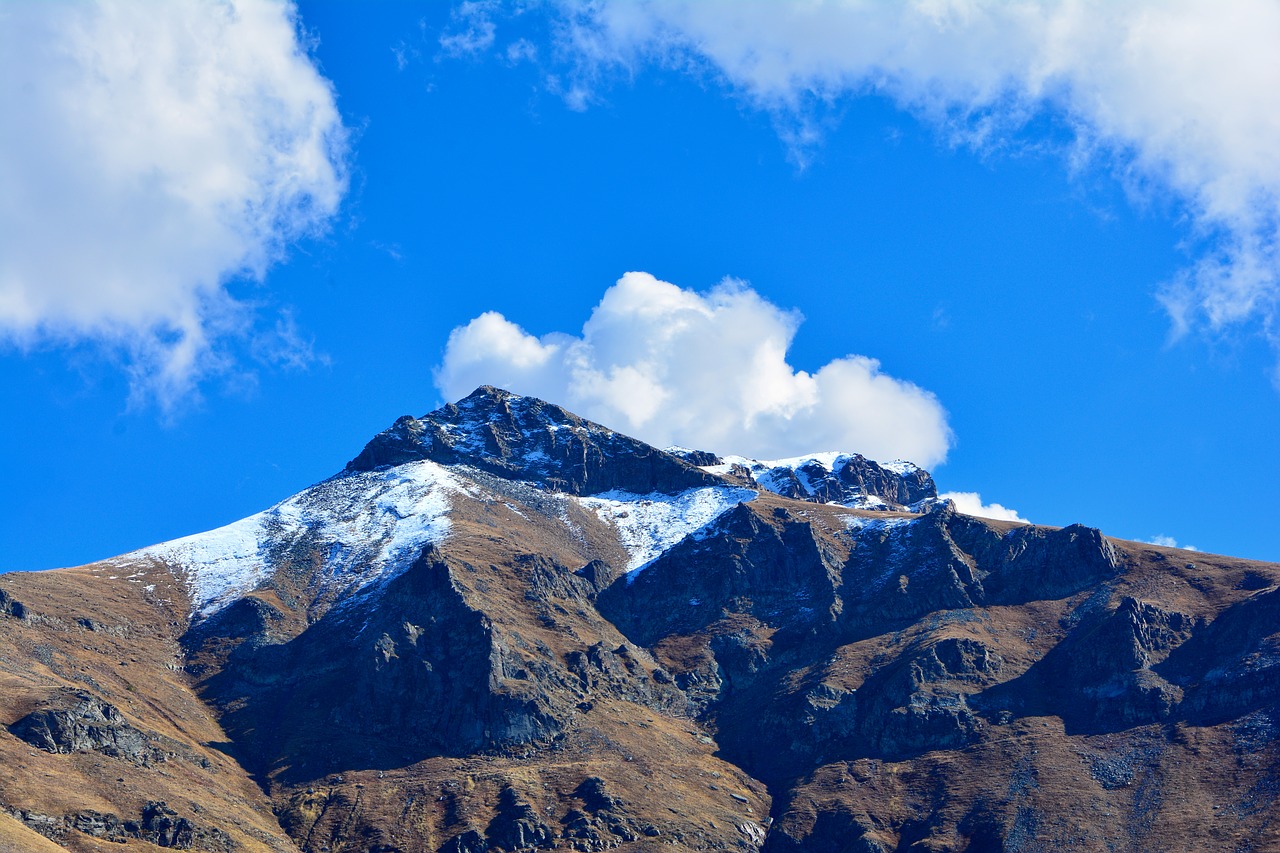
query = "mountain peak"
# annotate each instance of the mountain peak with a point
(525, 438)
(489, 630)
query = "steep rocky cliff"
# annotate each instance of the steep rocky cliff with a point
(503, 627)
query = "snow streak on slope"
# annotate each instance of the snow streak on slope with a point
(647, 525)
(368, 525)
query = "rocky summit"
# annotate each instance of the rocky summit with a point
(502, 627)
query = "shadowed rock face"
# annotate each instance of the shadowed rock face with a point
(1231, 666)
(422, 674)
(1100, 677)
(945, 560)
(9, 606)
(523, 438)
(771, 569)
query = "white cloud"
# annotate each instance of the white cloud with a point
(1181, 95)
(473, 30)
(1168, 542)
(150, 153)
(705, 370)
(970, 503)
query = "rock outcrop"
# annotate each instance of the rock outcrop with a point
(81, 722)
(523, 438)
(157, 824)
(9, 606)
(849, 479)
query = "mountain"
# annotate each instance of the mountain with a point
(504, 627)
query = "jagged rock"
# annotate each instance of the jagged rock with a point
(162, 826)
(945, 561)
(1099, 678)
(546, 580)
(850, 479)
(694, 669)
(920, 701)
(524, 438)
(700, 458)
(599, 574)
(598, 663)
(10, 606)
(99, 825)
(245, 625)
(774, 570)
(1230, 667)
(517, 826)
(440, 683)
(157, 824)
(906, 568)
(81, 722)
(594, 793)
(604, 820)
(470, 841)
(1042, 563)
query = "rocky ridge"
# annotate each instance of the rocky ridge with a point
(848, 479)
(503, 627)
(527, 439)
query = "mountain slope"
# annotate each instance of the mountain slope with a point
(503, 627)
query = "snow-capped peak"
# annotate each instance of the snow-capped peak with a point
(371, 521)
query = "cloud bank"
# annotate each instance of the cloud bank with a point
(705, 370)
(1176, 95)
(150, 153)
(970, 503)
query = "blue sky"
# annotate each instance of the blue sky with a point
(213, 293)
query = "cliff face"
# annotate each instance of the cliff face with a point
(503, 627)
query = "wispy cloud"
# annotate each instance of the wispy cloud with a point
(1177, 98)
(970, 503)
(706, 370)
(150, 153)
(472, 28)
(1168, 542)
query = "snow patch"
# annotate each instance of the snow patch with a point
(861, 523)
(369, 526)
(650, 524)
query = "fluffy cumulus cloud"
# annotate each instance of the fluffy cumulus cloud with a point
(706, 370)
(970, 503)
(1178, 95)
(149, 154)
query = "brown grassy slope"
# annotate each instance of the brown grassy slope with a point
(110, 630)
